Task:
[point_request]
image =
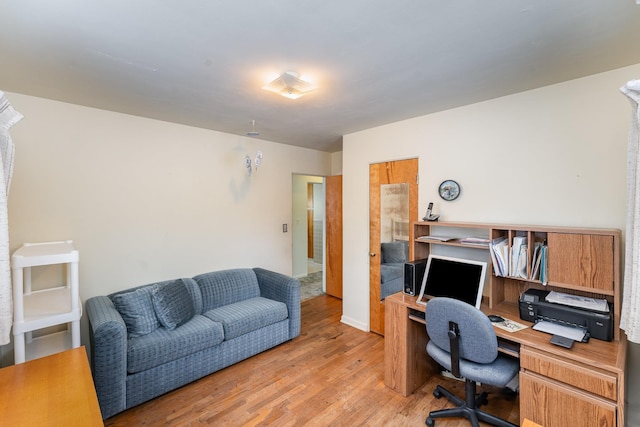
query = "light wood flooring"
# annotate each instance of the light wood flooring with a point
(331, 375)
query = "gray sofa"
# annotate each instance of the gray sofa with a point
(394, 255)
(151, 339)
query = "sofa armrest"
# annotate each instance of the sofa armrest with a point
(108, 334)
(286, 289)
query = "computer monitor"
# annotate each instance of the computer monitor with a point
(462, 279)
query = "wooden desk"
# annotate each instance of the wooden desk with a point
(558, 387)
(54, 390)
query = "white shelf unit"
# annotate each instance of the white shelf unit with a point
(43, 308)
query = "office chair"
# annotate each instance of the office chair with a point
(463, 341)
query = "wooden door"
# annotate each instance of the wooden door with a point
(310, 231)
(333, 229)
(397, 172)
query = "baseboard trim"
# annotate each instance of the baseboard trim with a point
(354, 323)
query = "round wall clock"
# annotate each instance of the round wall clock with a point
(449, 190)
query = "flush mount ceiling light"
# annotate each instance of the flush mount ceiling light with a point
(290, 86)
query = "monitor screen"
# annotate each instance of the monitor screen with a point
(458, 278)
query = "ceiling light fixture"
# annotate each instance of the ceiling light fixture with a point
(290, 86)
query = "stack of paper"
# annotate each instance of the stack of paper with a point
(435, 238)
(574, 333)
(479, 241)
(578, 301)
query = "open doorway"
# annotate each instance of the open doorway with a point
(308, 231)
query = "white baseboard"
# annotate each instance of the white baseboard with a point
(354, 323)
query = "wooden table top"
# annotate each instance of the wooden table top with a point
(609, 355)
(53, 390)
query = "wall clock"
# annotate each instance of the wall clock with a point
(449, 190)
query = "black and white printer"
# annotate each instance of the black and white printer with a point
(534, 307)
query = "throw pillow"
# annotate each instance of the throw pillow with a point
(393, 252)
(173, 304)
(136, 309)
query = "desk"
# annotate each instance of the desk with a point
(558, 387)
(54, 390)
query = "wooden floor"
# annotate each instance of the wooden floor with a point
(331, 375)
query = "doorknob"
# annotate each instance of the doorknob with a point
(372, 254)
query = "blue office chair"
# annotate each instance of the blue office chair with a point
(463, 341)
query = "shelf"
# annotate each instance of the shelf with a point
(455, 242)
(47, 302)
(40, 254)
(48, 344)
(417, 318)
(45, 308)
(51, 305)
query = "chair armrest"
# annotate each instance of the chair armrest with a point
(108, 334)
(286, 289)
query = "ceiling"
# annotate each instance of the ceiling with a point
(203, 63)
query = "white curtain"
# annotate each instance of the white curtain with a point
(630, 321)
(8, 117)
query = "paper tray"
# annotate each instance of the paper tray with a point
(576, 334)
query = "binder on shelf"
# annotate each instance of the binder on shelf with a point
(521, 270)
(494, 260)
(499, 250)
(544, 254)
(535, 262)
(516, 252)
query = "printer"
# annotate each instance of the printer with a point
(534, 307)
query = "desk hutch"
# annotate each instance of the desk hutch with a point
(583, 385)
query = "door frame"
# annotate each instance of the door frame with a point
(299, 228)
(390, 172)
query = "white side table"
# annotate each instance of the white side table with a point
(43, 308)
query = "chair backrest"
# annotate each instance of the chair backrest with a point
(478, 342)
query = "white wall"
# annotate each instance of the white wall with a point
(336, 163)
(550, 156)
(146, 200)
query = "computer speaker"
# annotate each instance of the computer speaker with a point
(413, 274)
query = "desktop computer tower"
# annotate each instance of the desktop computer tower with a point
(413, 274)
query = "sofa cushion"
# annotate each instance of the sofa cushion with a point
(391, 287)
(393, 252)
(136, 309)
(173, 304)
(390, 272)
(246, 316)
(164, 345)
(194, 290)
(220, 288)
